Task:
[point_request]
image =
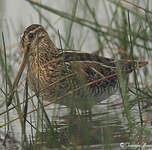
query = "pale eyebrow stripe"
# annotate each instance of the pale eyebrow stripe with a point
(31, 31)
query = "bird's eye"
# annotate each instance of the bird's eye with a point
(31, 35)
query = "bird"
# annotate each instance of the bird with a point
(87, 78)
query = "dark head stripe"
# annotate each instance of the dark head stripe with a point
(32, 27)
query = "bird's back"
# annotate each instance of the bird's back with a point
(81, 77)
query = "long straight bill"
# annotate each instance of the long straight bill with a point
(18, 76)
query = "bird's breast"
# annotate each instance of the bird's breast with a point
(41, 75)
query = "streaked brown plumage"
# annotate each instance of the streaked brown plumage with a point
(69, 70)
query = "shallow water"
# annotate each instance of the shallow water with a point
(109, 116)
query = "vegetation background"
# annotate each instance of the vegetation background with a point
(113, 28)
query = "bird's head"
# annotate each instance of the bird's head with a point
(33, 38)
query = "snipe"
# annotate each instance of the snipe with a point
(53, 72)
